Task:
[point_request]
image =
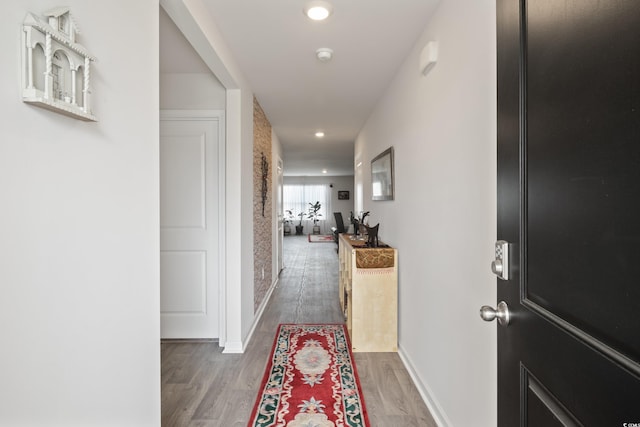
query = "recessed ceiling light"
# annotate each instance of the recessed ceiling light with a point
(318, 10)
(324, 171)
(324, 54)
(319, 134)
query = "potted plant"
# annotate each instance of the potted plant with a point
(299, 226)
(287, 220)
(315, 216)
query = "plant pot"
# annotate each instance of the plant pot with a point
(316, 229)
(287, 229)
(299, 230)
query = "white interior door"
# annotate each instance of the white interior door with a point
(189, 226)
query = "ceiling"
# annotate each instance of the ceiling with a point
(274, 44)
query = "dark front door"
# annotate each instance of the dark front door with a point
(569, 205)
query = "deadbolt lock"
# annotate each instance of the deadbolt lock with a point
(500, 266)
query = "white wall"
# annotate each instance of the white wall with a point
(186, 82)
(79, 249)
(191, 91)
(443, 129)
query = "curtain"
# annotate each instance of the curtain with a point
(296, 198)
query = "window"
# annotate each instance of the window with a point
(62, 24)
(296, 198)
(60, 70)
(56, 72)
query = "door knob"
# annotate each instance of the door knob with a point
(501, 313)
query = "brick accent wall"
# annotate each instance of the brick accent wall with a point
(262, 225)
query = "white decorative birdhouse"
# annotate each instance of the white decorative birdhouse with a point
(56, 71)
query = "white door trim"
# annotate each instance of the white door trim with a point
(215, 115)
(279, 174)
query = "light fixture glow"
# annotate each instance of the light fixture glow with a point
(319, 134)
(324, 54)
(318, 10)
(324, 171)
(318, 13)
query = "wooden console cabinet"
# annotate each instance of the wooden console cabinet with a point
(369, 295)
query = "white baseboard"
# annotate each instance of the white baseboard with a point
(425, 391)
(233, 347)
(238, 346)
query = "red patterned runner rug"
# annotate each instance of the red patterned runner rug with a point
(320, 238)
(310, 380)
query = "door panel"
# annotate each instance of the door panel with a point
(184, 282)
(189, 224)
(568, 201)
(542, 408)
(183, 181)
(583, 166)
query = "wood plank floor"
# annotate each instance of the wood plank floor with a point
(203, 387)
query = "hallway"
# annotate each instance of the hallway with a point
(203, 387)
